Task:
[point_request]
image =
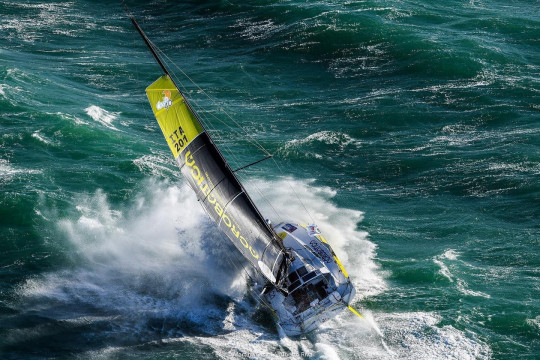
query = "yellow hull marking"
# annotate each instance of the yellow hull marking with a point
(340, 265)
(355, 312)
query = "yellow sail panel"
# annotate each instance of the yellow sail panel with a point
(176, 120)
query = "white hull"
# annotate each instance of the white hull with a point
(319, 287)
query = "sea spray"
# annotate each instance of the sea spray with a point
(302, 201)
(440, 100)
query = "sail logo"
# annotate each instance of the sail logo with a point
(166, 102)
(201, 182)
(320, 252)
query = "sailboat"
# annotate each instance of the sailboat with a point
(305, 283)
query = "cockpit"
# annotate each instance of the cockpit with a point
(308, 287)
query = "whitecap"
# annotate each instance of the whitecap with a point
(257, 30)
(326, 137)
(102, 116)
(463, 288)
(70, 117)
(440, 261)
(450, 254)
(535, 323)
(161, 258)
(155, 165)
(37, 135)
(8, 172)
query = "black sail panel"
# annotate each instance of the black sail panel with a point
(226, 202)
(216, 186)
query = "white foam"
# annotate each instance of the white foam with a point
(439, 260)
(535, 323)
(413, 335)
(444, 271)
(422, 339)
(463, 288)
(450, 254)
(256, 30)
(160, 257)
(37, 135)
(8, 172)
(155, 165)
(338, 225)
(13, 94)
(522, 167)
(30, 26)
(326, 352)
(326, 137)
(102, 116)
(461, 285)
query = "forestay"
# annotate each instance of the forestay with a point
(209, 175)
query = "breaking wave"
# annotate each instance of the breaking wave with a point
(332, 140)
(158, 272)
(102, 116)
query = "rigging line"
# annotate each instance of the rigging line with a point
(202, 114)
(182, 86)
(275, 162)
(231, 153)
(216, 134)
(209, 125)
(243, 271)
(234, 130)
(156, 49)
(250, 139)
(294, 191)
(216, 103)
(253, 163)
(255, 142)
(147, 114)
(233, 262)
(258, 189)
(266, 200)
(126, 9)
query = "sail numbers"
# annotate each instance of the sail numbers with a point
(178, 139)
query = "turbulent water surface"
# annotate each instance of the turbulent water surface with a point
(409, 130)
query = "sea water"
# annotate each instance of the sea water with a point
(408, 131)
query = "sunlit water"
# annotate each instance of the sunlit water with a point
(407, 131)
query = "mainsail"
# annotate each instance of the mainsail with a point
(309, 286)
(210, 176)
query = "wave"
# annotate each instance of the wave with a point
(461, 285)
(334, 141)
(159, 270)
(102, 116)
(8, 172)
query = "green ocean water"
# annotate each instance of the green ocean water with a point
(408, 130)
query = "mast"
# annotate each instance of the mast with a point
(147, 42)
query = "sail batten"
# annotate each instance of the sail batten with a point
(209, 175)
